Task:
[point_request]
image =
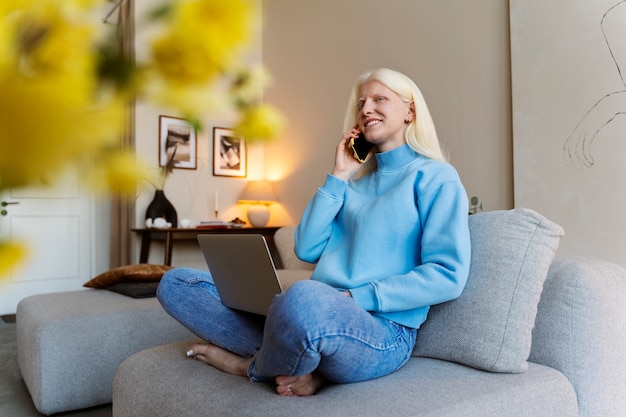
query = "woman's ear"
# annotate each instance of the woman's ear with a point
(411, 113)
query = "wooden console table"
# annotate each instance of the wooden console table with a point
(172, 235)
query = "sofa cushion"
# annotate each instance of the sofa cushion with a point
(69, 344)
(490, 325)
(161, 381)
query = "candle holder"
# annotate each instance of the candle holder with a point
(216, 202)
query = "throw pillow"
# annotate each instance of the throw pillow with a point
(490, 325)
(135, 289)
(129, 273)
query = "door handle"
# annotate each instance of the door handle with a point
(4, 212)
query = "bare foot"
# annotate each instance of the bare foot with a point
(300, 386)
(219, 358)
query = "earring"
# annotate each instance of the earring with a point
(408, 120)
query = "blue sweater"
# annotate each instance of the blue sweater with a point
(398, 238)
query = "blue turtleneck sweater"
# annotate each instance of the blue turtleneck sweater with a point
(397, 238)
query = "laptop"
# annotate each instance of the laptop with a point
(243, 270)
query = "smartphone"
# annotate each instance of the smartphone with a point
(360, 147)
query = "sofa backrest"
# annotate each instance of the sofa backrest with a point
(284, 241)
(580, 331)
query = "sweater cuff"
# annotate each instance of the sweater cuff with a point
(334, 187)
(365, 297)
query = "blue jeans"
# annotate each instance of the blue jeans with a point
(311, 327)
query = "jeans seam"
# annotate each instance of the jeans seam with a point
(381, 348)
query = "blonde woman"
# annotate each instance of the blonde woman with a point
(389, 239)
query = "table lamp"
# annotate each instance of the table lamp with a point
(259, 195)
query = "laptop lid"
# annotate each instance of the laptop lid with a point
(242, 269)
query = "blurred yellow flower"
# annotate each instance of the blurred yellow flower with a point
(48, 72)
(183, 62)
(33, 150)
(185, 99)
(204, 39)
(116, 170)
(65, 90)
(50, 44)
(260, 122)
(11, 255)
(249, 84)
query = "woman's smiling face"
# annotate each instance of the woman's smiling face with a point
(382, 115)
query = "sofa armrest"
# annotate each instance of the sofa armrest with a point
(580, 330)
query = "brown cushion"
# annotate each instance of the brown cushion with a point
(135, 289)
(129, 273)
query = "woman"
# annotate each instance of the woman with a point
(390, 238)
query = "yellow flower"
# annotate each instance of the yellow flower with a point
(10, 256)
(204, 38)
(249, 84)
(116, 171)
(51, 113)
(261, 122)
(184, 62)
(187, 100)
(45, 126)
(49, 43)
(63, 92)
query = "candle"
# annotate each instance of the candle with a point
(217, 202)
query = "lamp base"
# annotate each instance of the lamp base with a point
(258, 215)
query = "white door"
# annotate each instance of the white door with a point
(55, 225)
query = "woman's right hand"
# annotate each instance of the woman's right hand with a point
(346, 165)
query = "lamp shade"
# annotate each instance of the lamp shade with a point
(258, 192)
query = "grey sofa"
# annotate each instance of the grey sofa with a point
(531, 335)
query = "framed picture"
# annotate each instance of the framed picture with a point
(230, 155)
(177, 141)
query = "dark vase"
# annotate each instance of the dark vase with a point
(160, 206)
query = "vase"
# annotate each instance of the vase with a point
(160, 206)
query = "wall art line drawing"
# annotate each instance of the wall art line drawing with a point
(577, 147)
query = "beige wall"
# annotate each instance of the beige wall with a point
(456, 51)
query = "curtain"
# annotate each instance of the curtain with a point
(122, 208)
